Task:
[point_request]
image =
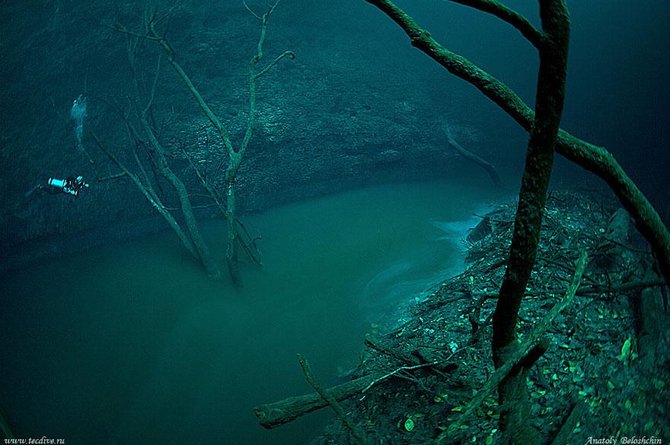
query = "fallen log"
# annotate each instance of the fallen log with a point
(278, 413)
(284, 411)
(356, 431)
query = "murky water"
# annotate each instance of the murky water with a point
(133, 344)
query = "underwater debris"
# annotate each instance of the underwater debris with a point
(433, 365)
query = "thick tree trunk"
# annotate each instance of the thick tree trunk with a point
(512, 391)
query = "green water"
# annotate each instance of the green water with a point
(132, 344)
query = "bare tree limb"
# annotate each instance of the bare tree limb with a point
(250, 10)
(508, 15)
(248, 243)
(290, 54)
(150, 196)
(474, 158)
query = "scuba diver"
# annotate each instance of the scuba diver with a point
(69, 186)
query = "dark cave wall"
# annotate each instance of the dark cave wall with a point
(326, 121)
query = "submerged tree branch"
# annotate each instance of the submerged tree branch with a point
(508, 15)
(472, 157)
(151, 196)
(537, 172)
(550, 95)
(290, 54)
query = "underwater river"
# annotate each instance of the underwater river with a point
(132, 344)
